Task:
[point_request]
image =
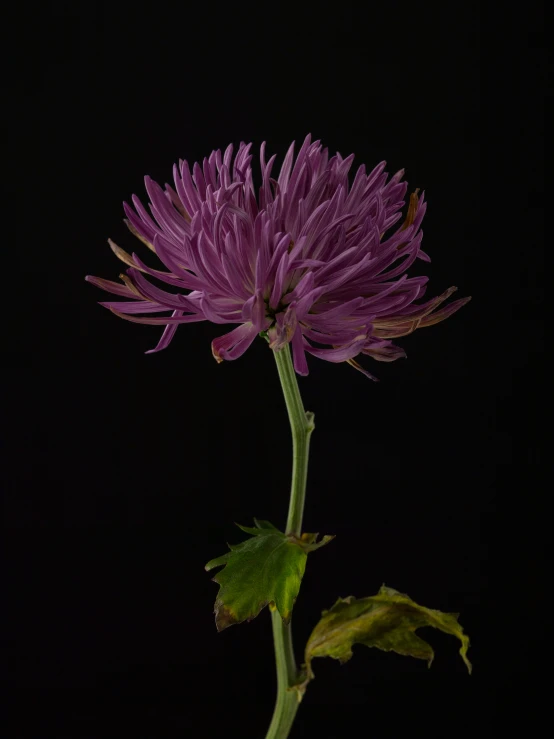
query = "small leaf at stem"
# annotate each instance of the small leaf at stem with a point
(264, 525)
(309, 544)
(387, 621)
(265, 569)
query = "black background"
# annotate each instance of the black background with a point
(126, 471)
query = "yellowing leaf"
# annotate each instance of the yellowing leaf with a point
(387, 621)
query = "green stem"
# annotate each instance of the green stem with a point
(302, 425)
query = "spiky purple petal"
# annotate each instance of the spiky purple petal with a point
(311, 258)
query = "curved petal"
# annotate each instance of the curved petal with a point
(338, 354)
(162, 321)
(111, 287)
(167, 277)
(443, 313)
(337, 336)
(299, 358)
(384, 351)
(361, 369)
(233, 344)
(218, 315)
(408, 324)
(138, 306)
(167, 336)
(415, 312)
(177, 301)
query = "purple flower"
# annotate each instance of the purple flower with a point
(310, 260)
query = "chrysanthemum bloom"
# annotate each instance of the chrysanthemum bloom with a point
(310, 260)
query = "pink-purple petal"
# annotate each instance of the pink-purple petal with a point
(299, 358)
(165, 320)
(311, 258)
(109, 286)
(167, 335)
(338, 354)
(234, 343)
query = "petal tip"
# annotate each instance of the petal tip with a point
(216, 355)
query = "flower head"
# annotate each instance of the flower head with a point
(310, 260)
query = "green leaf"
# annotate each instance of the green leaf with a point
(387, 621)
(265, 569)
